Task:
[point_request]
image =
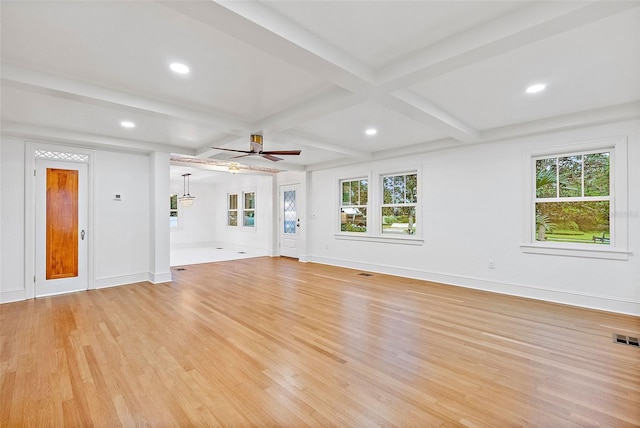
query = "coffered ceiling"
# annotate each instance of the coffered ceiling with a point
(313, 75)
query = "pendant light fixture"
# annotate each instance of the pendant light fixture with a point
(186, 199)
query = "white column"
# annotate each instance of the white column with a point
(159, 268)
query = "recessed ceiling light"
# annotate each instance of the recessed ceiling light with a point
(127, 124)
(536, 88)
(179, 68)
(371, 131)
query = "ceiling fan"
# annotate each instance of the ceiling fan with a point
(256, 149)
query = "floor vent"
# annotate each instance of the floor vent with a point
(365, 274)
(180, 269)
(626, 340)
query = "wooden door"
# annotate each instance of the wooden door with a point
(61, 232)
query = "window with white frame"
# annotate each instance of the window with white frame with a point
(232, 209)
(399, 204)
(573, 199)
(576, 201)
(249, 209)
(353, 206)
(173, 211)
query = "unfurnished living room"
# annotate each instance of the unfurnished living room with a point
(320, 213)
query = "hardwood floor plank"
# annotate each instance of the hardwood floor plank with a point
(273, 342)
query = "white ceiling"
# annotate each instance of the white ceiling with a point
(312, 75)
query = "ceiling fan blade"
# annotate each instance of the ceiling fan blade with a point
(282, 152)
(233, 150)
(271, 158)
(241, 156)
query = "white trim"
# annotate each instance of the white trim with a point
(12, 296)
(559, 250)
(159, 278)
(115, 281)
(374, 205)
(618, 248)
(554, 295)
(342, 206)
(254, 209)
(387, 239)
(30, 206)
(61, 156)
(229, 209)
(179, 210)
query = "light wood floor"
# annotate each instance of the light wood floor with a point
(272, 342)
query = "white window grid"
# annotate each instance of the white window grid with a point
(607, 198)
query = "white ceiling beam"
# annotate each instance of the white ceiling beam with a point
(261, 27)
(296, 138)
(615, 113)
(532, 23)
(412, 105)
(49, 134)
(257, 161)
(329, 102)
(229, 140)
(61, 87)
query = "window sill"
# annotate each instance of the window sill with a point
(558, 250)
(380, 238)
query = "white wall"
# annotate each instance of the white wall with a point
(197, 224)
(473, 212)
(260, 236)
(121, 227)
(121, 239)
(12, 220)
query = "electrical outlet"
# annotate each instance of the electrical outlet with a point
(492, 264)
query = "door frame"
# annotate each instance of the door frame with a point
(30, 211)
(280, 218)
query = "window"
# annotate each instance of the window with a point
(353, 208)
(576, 202)
(241, 209)
(232, 209)
(173, 211)
(380, 207)
(399, 203)
(249, 209)
(573, 200)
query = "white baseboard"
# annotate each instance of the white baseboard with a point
(572, 298)
(12, 296)
(304, 258)
(114, 281)
(159, 278)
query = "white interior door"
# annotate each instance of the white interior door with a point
(289, 221)
(61, 258)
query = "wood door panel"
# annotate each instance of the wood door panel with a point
(62, 224)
